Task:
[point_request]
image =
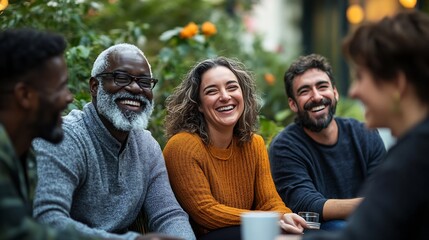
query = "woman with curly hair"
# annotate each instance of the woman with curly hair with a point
(218, 166)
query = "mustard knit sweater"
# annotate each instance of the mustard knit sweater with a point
(216, 185)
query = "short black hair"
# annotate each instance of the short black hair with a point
(404, 38)
(25, 50)
(301, 65)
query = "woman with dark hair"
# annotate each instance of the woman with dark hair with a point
(218, 167)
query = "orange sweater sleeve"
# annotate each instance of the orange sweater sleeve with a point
(216, 185)
(266, 197)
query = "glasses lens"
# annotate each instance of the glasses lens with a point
(145, 83)
(122, 79)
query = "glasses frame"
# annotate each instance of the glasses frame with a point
(132, 78)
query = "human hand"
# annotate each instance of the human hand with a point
(292, 223)
(157, 236)
(290, 237)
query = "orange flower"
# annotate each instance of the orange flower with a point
(91, 12)
(3, 4)
(269, 79)
(189, 30)
(208, 29)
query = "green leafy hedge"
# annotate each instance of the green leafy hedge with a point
(156, 26)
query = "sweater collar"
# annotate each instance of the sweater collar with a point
(96, 125)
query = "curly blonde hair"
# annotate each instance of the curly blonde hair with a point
(182, 105)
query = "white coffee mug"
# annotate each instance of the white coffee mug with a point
(260, 225)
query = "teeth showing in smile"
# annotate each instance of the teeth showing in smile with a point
(226, 108)
(318, 108)
(131, 103)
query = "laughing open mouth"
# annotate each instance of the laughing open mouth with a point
(225, 108)
(131, 104)
(318, 108)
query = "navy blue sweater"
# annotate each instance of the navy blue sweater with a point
(307, 173)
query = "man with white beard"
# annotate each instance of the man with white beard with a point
(109, 168)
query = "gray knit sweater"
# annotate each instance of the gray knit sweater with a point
(87, 183)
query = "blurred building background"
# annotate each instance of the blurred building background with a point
(299, 27)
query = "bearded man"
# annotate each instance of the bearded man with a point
(109, 168)
(320, 162)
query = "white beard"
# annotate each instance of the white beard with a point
(125, 121)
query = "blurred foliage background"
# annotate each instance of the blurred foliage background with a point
(155, 26)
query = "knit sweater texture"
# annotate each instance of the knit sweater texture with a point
(216, 185)
(87, 182)
(307, 173)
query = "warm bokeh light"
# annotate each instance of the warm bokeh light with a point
(189, 30)
(3, 4)
(408, 3)
(376, 10)
(355, 14)
(269, 79)
(208, 29)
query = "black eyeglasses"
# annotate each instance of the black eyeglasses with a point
(124, 79)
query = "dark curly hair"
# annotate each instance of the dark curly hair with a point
(23, 51)
(182, 104)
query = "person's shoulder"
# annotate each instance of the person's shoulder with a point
(72, 127)
(291, 127)
(6, 147)
(257, 139)
(292, 130)
(355, 124)
(73, 116)
(143, 134)
(349, 121)
(184, 143)
(356, 129)
(289, 134)
(73, 122)
(351, 124)
(185, 139)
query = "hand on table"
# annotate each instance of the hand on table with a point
(289, 237)
(292, 223)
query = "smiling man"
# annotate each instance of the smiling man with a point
(33, 95)
(320, 162)
(109, 168)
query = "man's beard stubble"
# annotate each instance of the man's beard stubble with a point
(47, 125)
